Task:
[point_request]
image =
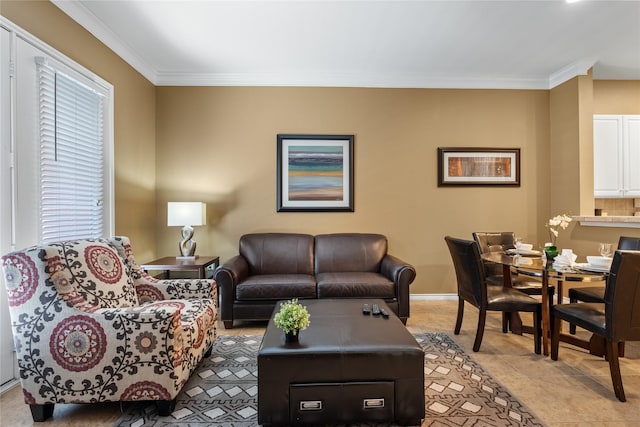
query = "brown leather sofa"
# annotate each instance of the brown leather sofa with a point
(277, 266)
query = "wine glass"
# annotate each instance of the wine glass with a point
(606, 249)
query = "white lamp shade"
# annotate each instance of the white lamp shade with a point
(186, 213)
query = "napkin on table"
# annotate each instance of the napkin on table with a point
(566, 259)
(523, 246)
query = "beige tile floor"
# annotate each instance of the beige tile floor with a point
(573, 391)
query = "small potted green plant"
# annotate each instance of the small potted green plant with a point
(292, 318)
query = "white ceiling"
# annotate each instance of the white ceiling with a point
(365, 43)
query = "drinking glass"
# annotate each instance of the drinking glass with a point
(606, 249)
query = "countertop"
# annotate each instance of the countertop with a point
(609, 221)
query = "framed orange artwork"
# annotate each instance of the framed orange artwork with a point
(478, 166)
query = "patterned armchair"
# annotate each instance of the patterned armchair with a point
(90, 326)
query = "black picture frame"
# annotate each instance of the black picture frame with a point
(469, 166)
(315, 173)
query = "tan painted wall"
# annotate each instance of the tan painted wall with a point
(218, 145)
(134, 119)
(571, 110)
(609, 97)
(616, 97)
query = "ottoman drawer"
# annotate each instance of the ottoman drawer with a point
(320, 403)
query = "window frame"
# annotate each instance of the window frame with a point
(83, 75)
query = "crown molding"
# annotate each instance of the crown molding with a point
(578, 68)
(85, 18)
(351, 80)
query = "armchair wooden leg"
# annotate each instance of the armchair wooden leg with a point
(228, 324)
(41, 413)
(482, 317)
(459, 318)
(614, 367)
(166, 407)
(207, 354)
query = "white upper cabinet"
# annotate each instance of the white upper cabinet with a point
(631, 137)
(616, 155)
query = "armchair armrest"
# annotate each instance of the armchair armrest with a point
(227, 276)
(163, 315)
(153, 290)
(154, 332)
(402, 274)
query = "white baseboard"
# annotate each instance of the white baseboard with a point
(450, 297)
(433, 297)
(9, 385)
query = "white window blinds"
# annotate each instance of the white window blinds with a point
(72, 156)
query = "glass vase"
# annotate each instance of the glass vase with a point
(551, 252)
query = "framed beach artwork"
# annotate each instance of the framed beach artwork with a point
(478, 166)
(315, 173)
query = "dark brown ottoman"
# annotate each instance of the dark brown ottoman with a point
(347, 367)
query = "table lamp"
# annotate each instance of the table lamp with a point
(186, 214)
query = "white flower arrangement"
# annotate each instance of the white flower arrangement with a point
(559, 221)
(292, 317)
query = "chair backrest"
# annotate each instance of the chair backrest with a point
(497, 241)
(629, 243)
(469, 270)
(622, 297)
(123, 245)
(86, 274)
(99, 273)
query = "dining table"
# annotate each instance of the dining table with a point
(534, 264)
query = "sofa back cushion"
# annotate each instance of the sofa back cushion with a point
(349, 252)
(278, 253)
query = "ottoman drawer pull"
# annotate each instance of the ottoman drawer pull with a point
(310, 405)
(373, 403)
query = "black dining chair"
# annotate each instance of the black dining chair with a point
(616, 319)
(502, 241)
(472, 288)
(596, 293)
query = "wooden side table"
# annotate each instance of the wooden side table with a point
(168, 264)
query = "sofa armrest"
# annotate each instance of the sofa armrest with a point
(227, 276)
(402, 274)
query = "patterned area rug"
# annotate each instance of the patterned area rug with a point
(224, 392)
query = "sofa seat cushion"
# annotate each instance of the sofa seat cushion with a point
(354, 285)
(276, 287)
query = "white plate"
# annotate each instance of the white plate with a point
(588, 267)
(523, 252)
